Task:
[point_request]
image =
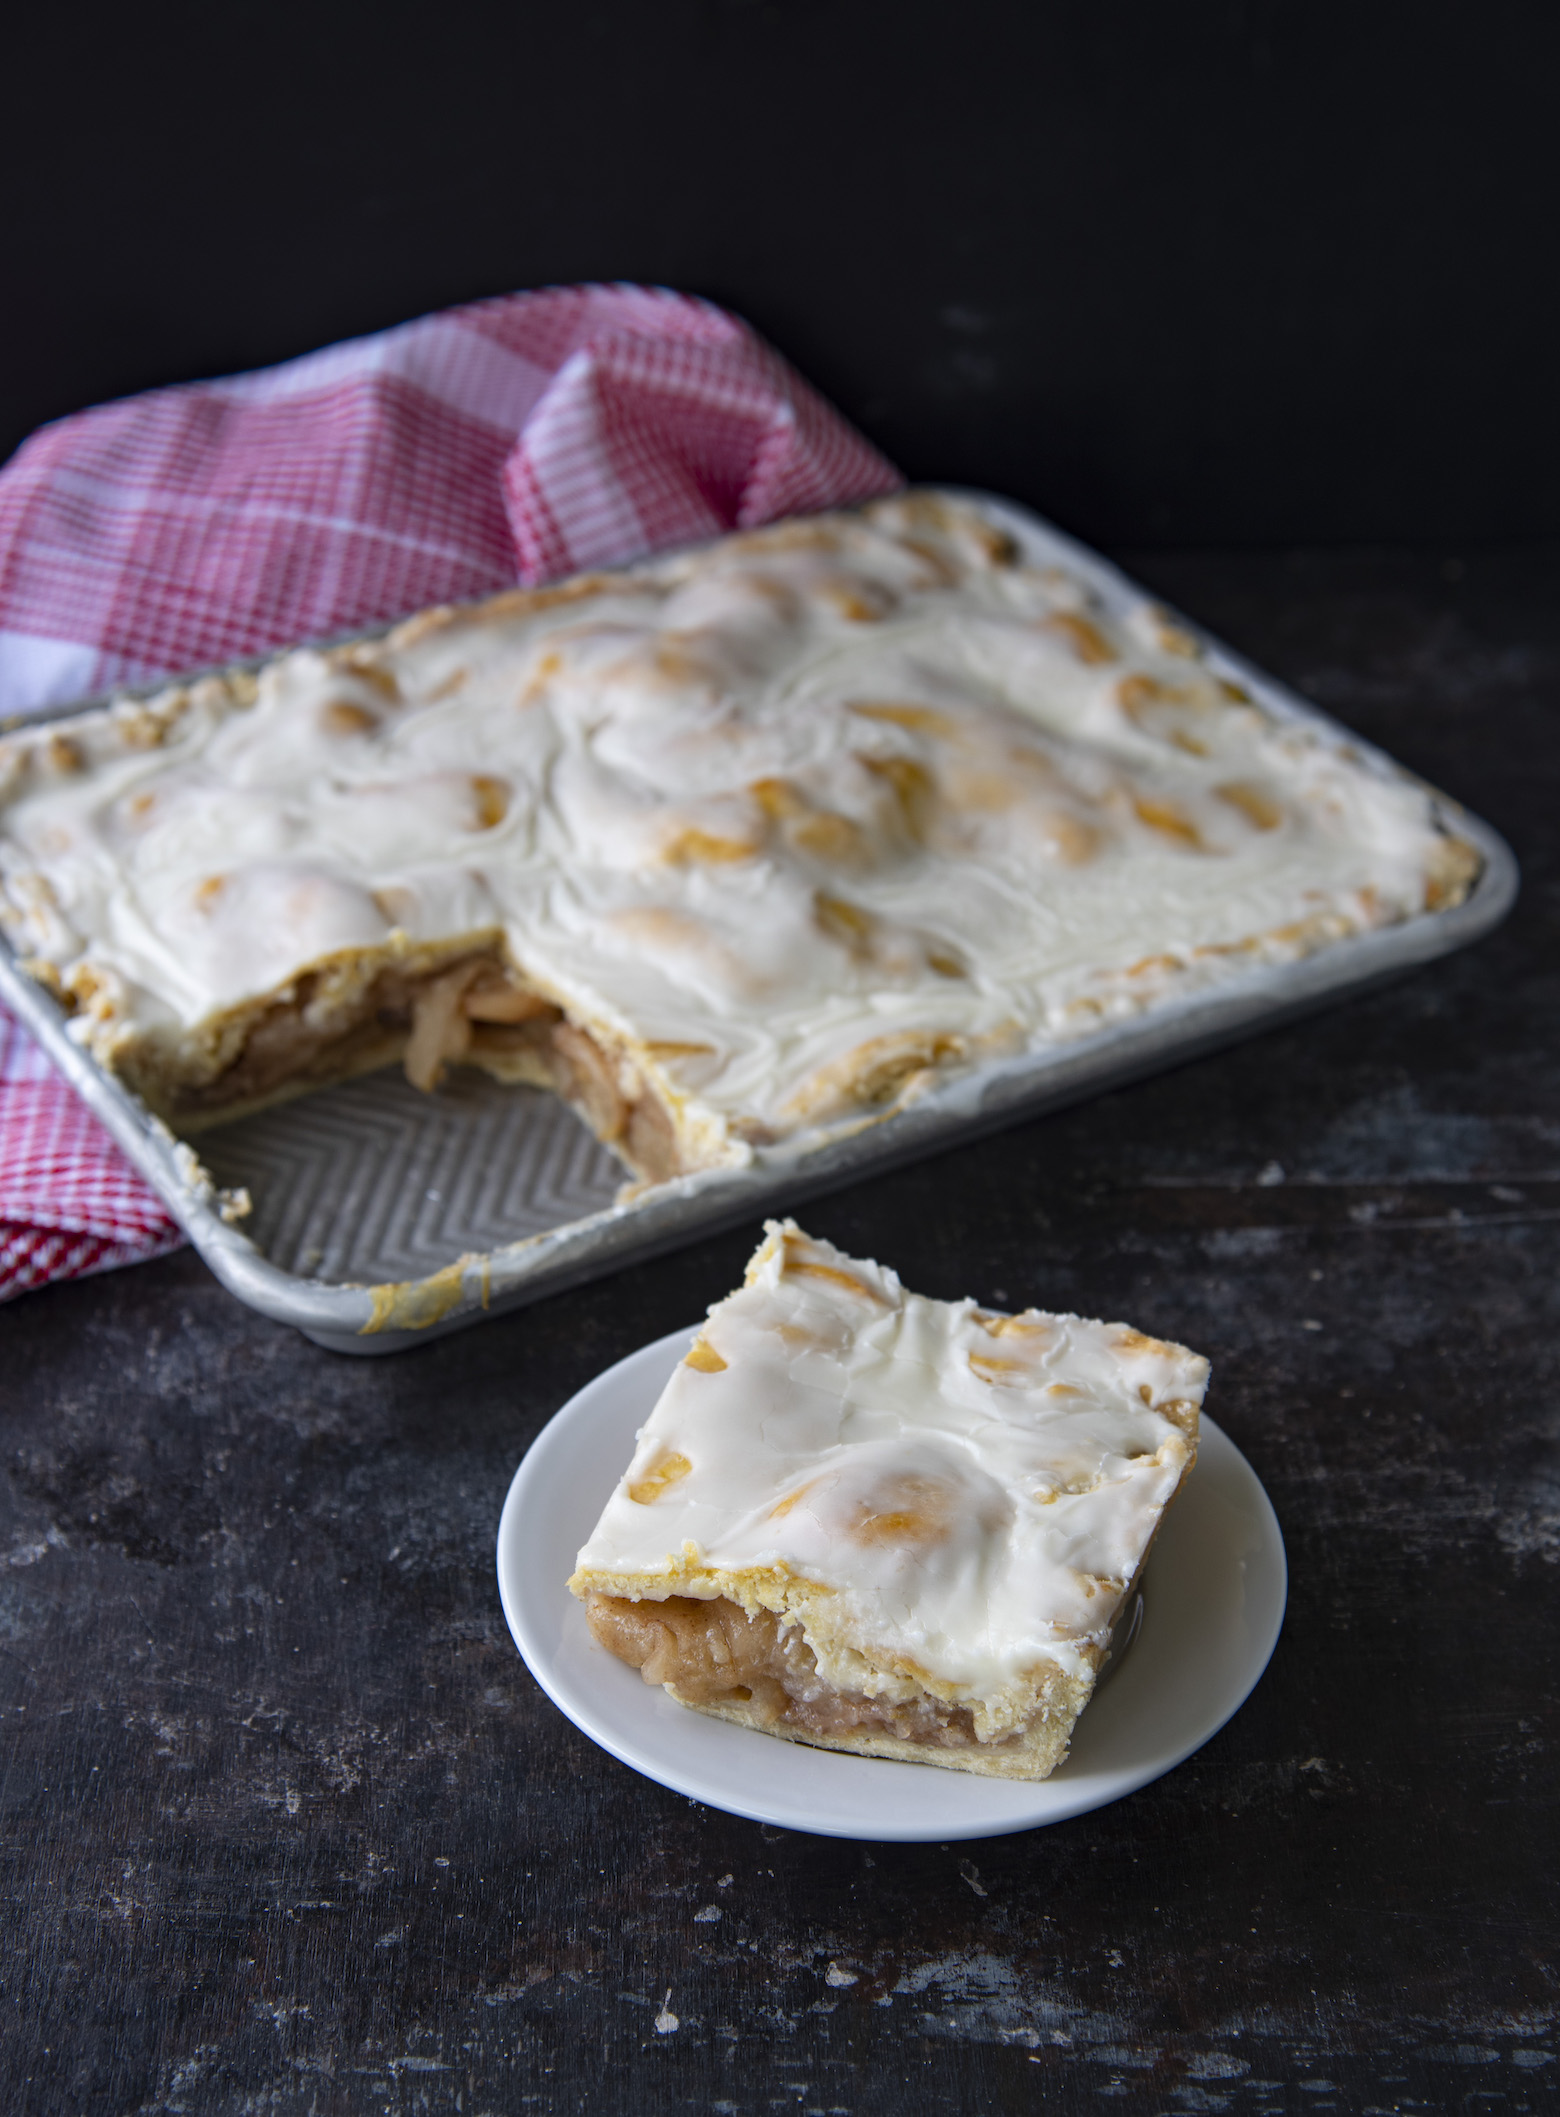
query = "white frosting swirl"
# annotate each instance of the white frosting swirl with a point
(797, 819)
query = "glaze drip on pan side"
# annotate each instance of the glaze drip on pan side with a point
(871, 1521)
(724, 848)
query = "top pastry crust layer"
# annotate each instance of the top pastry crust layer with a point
(787, 827)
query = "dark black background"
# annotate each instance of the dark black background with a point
(1211, 272)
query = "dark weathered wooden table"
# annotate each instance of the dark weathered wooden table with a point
(288, 1828)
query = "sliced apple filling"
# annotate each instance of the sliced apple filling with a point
(329, 1025)
(713, 1654)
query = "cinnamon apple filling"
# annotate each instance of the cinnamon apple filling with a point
(471, 1011)
(712, 1653)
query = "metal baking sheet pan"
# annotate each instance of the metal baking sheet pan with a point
(380, 1216)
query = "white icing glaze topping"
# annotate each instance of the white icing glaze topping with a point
(802, 817)
(972, 1493)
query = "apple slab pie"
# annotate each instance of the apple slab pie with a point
(729, 848)
(875, 1522)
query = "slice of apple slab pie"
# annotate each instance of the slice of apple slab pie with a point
(875, 1522)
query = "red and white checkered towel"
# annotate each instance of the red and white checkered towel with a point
(518, 438)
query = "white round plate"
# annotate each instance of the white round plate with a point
(1213, 1603)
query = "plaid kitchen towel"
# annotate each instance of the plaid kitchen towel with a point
(520, 438)
(70, 1203)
